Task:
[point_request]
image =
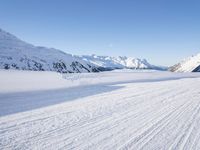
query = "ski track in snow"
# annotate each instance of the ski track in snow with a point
(147, 116)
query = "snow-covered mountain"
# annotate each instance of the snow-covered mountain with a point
(17, 54)
(118, 62)
(191, 64)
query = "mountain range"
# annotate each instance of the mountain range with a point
(119, 62)
(17, 54)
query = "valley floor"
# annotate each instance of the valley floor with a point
(110, 110)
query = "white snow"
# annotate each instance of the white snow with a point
(188, 64)
(17, 54)
(118, 62)
(21, 81)
(122, 109)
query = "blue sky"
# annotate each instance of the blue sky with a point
(162, 31)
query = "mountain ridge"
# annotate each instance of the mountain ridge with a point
(190, 64)
(118, 62)
(17, 54)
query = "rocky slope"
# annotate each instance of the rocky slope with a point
(191, 64)
(17, 54)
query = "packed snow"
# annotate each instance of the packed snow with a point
(122, 109)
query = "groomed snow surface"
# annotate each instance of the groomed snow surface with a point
(122, 109)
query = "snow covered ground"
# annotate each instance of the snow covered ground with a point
(122, 109)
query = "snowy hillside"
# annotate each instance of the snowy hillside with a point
(17, 54)
(118, 62)
(191, 64)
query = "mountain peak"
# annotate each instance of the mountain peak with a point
(17, 54)
(190, 64)
(118, 62)
(6, 35)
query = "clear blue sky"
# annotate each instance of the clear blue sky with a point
(162, 31)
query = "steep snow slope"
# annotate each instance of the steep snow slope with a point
(191, 64)
(153, 110)
(16, 54)
(118, 62)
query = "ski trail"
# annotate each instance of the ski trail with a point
(156, 128)
(154, 115)
(183, 137)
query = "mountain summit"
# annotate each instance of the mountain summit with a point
(117, 62)
(191, 64)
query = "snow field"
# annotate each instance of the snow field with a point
(150, 110)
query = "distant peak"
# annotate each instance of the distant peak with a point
(7, 35)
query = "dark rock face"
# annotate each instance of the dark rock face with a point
(197, 69)
(175, 67)
(190, 64)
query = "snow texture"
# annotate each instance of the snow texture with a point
(121, 109)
